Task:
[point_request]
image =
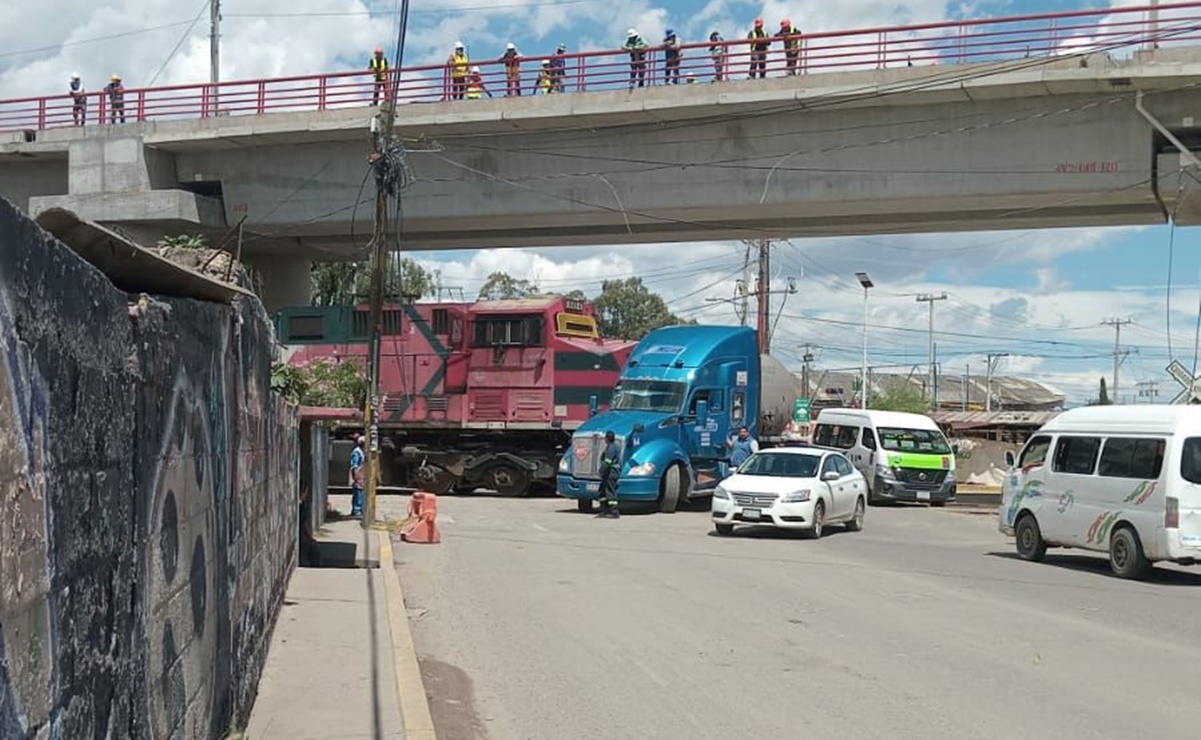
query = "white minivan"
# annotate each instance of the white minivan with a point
(1119, 479)
(903, 457)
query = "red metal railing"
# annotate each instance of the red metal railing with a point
(1013, 38)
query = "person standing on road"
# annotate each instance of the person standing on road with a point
(741, 447)
(79, 100)
(357, 472)
(637, 49)
(512, 61)
(760, 42)
(719, 54)
(379, 68)
(610, 469)
(116, 100)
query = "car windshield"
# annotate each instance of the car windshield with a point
(648, 395)
(914, 440)
(780, 465)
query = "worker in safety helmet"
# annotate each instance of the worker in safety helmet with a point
(610, 470)
(116, 99)
(790, 36)
(760, 42)
(671, 57)
(558, 68)
(79, 100)
(719, 54)
(358, 474)
(546, 79)
(458, 66)
(512, 61)
(475, 85)
(637, 49)
(378, 66)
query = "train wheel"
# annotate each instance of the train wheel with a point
(508, 480)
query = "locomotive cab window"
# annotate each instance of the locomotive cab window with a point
(508, 331)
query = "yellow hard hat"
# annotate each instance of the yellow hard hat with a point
(115, 77)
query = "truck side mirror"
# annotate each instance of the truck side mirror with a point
(702, 412)
(592, 406)
(1010, 459)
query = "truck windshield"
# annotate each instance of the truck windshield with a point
(780, 465)
(914, 440)
(648, 395)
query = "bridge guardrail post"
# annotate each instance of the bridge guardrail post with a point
(261, 101)
(141, 116)
(41, 114)
(322, 91)
(881, 45)
(580, 74)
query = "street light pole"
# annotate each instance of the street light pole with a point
(867, 283)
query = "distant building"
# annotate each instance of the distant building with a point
(955, 393)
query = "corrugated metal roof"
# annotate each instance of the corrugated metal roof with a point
(839, 387)
(993, 418)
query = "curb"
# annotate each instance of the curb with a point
(410, 688)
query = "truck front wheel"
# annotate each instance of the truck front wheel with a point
(672, 490)
(583, 505)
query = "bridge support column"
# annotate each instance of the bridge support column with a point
(284, 281)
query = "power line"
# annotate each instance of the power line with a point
(178, 44)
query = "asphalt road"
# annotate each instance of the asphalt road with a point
(535, 622)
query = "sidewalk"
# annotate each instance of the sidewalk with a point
(341, 662)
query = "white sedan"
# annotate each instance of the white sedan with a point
(792, 488)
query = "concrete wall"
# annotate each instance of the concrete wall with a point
(147, 503)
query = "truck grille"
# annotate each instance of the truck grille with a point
(920, 478)
(586, 450)
(762, 500)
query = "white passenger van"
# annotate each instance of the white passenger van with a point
(1119, 479)
(903, 457)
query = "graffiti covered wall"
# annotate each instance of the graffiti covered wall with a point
(148, 504)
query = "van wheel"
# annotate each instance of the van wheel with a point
(672, 490)
(1126, 556)
(583, 505)
(872, 498)
(1030, 544)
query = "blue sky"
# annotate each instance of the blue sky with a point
(1040, 295)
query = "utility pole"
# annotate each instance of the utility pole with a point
(993, 359)
(967, 387)
(807, 359)
(931, 298)
(763, 291)
(215, 41)
(1118, 352)
(744, 304)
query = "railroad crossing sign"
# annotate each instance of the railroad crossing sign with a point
(1192, 386)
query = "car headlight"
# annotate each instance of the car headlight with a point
(796, 497)
(720, 492)
(564, 465)
(643, 470)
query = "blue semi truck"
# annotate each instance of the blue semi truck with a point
(682, 392)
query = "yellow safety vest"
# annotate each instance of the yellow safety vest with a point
(544, 81)
(474, 89)
(459, 65)
(380, 67)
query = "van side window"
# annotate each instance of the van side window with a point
(823, 435)
(869, 439)
(1190, 460)
(1035, 453)
(1076, 455)
(846, 437)
(1132, 458)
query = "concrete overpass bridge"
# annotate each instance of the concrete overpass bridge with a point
(1052, 120)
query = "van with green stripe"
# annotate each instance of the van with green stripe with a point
(904, 457)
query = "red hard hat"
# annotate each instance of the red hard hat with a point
(758, 22)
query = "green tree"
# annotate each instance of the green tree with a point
(900, 398)
(347, 283)
(322, 383)
(628, 310)
(501, 286)
(1102, 395)
(576, 295)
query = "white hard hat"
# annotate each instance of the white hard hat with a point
(75, 75)
(458, 44)
(631, 32)
(476, 70)
(510, 46)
